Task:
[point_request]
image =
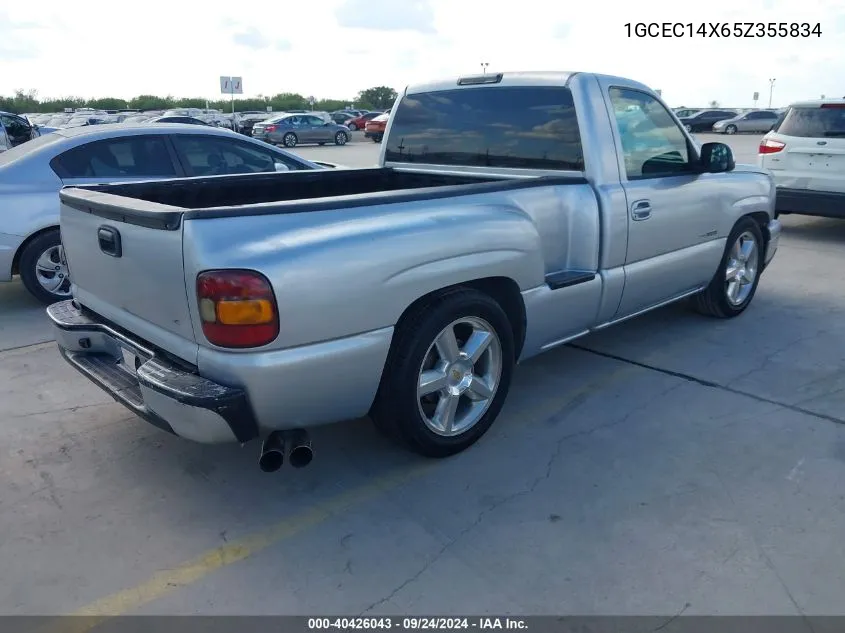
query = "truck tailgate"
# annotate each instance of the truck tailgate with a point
(127, 267)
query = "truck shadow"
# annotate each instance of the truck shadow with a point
(818, 230)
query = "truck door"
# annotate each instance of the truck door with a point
(673, 215)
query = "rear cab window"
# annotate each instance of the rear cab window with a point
(826, 121)
(503, 126)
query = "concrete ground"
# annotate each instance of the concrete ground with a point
(672, 464)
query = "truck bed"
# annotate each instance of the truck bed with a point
(163, 204)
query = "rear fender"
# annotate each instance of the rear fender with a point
(356, 271)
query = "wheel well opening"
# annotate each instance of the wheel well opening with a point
(16, 260)
(762, 220)
(502, 290)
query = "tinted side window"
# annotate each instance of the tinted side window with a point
(210, 156)
(813, 122)
(652, 144)
(133, 157)
(527, 128)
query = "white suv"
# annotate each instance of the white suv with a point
(805, 153)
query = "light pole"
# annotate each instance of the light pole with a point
(484, 66)
(771, 89)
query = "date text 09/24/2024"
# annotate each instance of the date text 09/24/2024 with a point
(416, 623)
(723, 29)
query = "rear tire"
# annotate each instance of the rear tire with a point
(735, 283)
(475, 384)
(341, 138)
(41, 266)
(290, 140)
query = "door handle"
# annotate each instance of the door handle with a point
(109, 240)
(641, 210)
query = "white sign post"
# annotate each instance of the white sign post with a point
(756, 96)
(231, 86)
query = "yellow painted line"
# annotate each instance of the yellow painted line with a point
(191, 571)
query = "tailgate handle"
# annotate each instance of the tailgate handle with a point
(109, 239)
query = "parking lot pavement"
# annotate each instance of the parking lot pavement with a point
(674, 463)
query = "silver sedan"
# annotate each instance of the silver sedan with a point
(291, 130)
(760, 121)
(32, 174)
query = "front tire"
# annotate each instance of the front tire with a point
(688, 128)
(352, 127)
(447, 374)
(290, 140)
(43, 270)
(735, 283)
(341, 138)
(731, 129)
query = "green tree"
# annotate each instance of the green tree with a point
(107, 103)
(151, 102)
(190, 102)
(378, 98)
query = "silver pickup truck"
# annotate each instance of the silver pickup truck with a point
(509, 214)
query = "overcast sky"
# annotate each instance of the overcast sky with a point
(334, 48)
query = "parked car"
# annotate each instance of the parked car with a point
(685, 112)
(341, 118)
(78, 120)
(758, 121)
(135, 119)
(15, 130)
(704, 120)
(496, 227)
(32, 174)
(186, 120)
(359, 123)
(805, 154)
(291, 130)
(374, 128)
(247, 120)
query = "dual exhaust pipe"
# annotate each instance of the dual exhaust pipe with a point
(273, 448)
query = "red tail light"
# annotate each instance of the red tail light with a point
(237, 308)
(270, 128)
(770, 146)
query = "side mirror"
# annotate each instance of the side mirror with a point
(281, 167)
(716, 158)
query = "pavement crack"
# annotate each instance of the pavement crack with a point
(674, 617)
(545, 475)
(15, 348)
(761, 550)
(70, 409)
(713, 385)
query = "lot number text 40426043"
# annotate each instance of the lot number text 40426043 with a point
(723, 29)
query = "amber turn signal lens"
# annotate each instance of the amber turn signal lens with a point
(245, 312)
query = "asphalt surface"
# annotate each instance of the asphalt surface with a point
(671, 464)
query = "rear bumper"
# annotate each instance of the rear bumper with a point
(373, 133)
(825, 204)
(158, 391)
(282, 389)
